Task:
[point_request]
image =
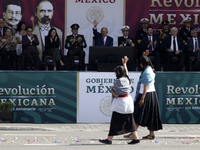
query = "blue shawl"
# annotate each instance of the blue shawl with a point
(146, 78)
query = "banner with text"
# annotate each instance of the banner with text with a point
(40, 97)
(179, 97)
(109, 14)
(94, 99)
(158, 10)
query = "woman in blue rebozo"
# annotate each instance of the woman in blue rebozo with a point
(146, 106)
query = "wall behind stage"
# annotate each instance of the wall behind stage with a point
(114, 14)
(84, 12)
(58, 19)
(158, 10)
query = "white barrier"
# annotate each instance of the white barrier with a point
(94, 98)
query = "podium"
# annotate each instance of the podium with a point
(105, 59)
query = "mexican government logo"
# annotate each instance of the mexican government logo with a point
(105, 106)
(94, 13)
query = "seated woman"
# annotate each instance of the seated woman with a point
(8, 47)
(52, 44)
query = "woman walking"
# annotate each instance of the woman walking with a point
(146, 112)
(122, 120)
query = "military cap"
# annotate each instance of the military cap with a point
(187, 19)
(144, 21)
(74, 26)
(125, 28)
(165, 22)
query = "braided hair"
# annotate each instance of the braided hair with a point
(146, 61)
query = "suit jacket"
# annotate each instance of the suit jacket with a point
(185, 34)
(29, 46)
(41, 47)
(99, 39)
(122, 41)
(145, 43)
(167, 43)
(191, 44)
(139, 34)
(76, 46)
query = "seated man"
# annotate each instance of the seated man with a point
(125, 40)
(174, 46)
(8, 47)
(75, 44)
(102, 39)
(29, 44)
(163, 33)
(150, 42)
(193, 47)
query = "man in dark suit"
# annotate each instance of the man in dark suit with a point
(75, 44)
(102, 39)
(174, 46)
(125, 40)
(193, 47)
(140, 33)
(29, 44)
(163, 33)
(150, 42)
(185, 33)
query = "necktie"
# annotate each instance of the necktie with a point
(1, 32)
(150, 48)
(195, 44)
(103, 41)
(174, 44)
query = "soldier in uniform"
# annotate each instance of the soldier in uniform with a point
(185, 33)
(163, 33)
(125, 40)
(75, 44)
(140, 33)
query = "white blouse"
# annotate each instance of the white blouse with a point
(122, 105)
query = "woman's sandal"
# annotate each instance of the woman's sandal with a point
(149, 137)
(129, 136)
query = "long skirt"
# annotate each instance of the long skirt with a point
(121, 124)
(55, 52)
(149, 114)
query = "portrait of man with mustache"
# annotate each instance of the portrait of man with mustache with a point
(44, 11)
(12, 13)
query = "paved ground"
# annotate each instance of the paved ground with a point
(85, 137)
